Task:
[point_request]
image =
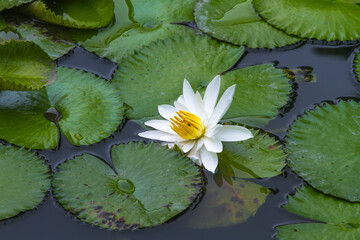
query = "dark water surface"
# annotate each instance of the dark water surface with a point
(335, 79)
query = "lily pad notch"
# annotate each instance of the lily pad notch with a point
(150, 187)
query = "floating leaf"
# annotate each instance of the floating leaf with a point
(71, 13)
(357, 65)
(149, 188)
(137, 24)
(24, 179)
(161, 68)
(321, 19)
(258, 157)
(323, 149)
(236, 21)
(340, 219)
(89, 110)
(24, 66)
(7, 4)
(227, 205)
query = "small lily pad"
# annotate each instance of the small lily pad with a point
(258, 157)
(87, 109)
(71, 13)
(137, 23)
(236, 21)
(357, 65)
(322, 19)
(24, 66)
(337, 219)
(149, 188)
(323, 149)
(24, 180)
(228, 205)
(7, 4)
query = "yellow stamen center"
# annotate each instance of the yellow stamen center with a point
(187, 125)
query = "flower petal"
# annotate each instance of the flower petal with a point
(162, 125)
(233, 133)
(187, 146)
(213, 144)
(199, 144)
(211, 95)
(210, 132)
(209, 159)
(194, 155)
(191, 100)
(167, 111)
(180, 104)
(155, 134)
(222, 106)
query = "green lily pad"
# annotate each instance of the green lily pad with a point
(228, 205)
(89, 109)
(24, 180)
(236, 21)
(322, 19)
(340, 219)
(7, 4)
(149, 188)
(323, 149)
(24, 66)
(137, 24)
(258, 157)
(51, 38)
(156, 68)
(71, 13)
(357, 65)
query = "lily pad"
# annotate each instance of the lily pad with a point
(258, 157)
(338, 219)
(71, 13)
(236, 21)
(51, 38)
(24, 180)
(137, 24)
(228, 205)
(322, 19)
(87, 109)
(357, 65)
(147, 189)
(323, 149)
(161, 67)
(7, 4)
(24, 66)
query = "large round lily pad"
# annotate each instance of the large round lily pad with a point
(160, 69)
(24, 66)
(228, 204)
(7, 4)
(152, 185)
(87, 108)
(322, 19)
(323, 148)
(258, 157)
(236, 21)
(339, 219)
(71, 13)
(137, 23)
(24, 180)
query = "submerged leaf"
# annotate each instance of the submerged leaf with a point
(24, 66)
(228, 205)
(137, 23)
(321, 19)
(89, 110)
(7, 4)
(323, 149)
(357, 65)
(147, 189)
(258, 157)
(24, 180)
(236, 21)
(71, 13)
(338, 219)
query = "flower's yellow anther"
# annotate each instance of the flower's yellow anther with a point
(187, 125)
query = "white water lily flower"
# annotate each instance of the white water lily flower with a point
(192, 124)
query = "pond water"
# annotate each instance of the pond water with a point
(335, 79)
